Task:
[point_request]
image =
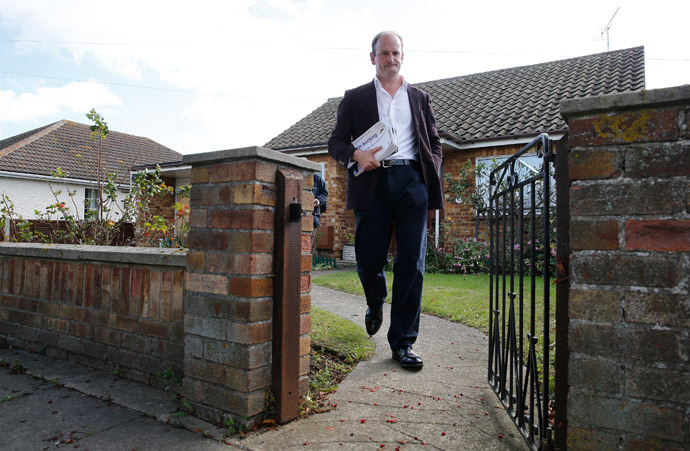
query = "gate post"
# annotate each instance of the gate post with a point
(229, 298)
(286, 307)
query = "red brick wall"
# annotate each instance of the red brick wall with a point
(94, 312)
(629, 370)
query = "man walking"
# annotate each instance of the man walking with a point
(392, 196)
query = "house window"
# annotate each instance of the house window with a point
(526, 167)
(90, 200)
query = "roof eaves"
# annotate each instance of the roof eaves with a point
(161, 165)
(301, 147)
(515, 136)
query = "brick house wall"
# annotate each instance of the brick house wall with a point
(461, 218)
(336, 216)
(629, 308)
(164, 205)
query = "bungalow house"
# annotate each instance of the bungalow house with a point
(28, 160)
(479, 117)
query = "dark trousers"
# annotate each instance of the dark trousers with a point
(399, 206)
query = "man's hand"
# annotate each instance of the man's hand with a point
(366, 159)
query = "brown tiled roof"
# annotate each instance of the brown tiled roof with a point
(66, 145)
(501, 103)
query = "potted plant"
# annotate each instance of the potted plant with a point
(349, 248)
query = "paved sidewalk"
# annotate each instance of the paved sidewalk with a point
(447, 405)
(58, 404)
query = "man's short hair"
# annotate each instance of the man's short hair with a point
(383, 33)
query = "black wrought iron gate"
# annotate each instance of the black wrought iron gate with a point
(522, 235)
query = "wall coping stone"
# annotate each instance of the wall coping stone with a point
(244, 153)
(118, 254)
(630, 100)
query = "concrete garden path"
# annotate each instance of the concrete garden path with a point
(447, 405)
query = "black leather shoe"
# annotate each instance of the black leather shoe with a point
(407, 358)
(373, 321)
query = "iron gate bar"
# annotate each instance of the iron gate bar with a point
(562, 291)
(515, 382)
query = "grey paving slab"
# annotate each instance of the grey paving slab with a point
(48, 416)
(61, 404)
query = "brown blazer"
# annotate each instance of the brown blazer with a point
(356, 113)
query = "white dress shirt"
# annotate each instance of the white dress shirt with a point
(396, 112)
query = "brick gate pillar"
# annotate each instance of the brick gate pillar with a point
(228, 318)
(629, 306)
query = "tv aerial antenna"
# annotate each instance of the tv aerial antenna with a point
(607, 28)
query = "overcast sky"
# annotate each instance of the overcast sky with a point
(200, 76)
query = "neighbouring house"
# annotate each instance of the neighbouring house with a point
(28, 160)
(479, 117)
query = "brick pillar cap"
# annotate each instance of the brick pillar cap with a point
(654, 98)
(248, 153)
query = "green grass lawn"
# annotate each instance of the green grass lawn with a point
(459, 298)
(340, 337)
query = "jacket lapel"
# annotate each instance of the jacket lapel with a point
(371, 102)
(415, 107)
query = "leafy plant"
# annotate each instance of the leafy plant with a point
(167, 375)
(17, 367)
(235, 426)
(186, 405)
(99, 130)
(103, 220)
(463, 188)
(7, 398)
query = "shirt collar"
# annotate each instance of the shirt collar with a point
(378, 85)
